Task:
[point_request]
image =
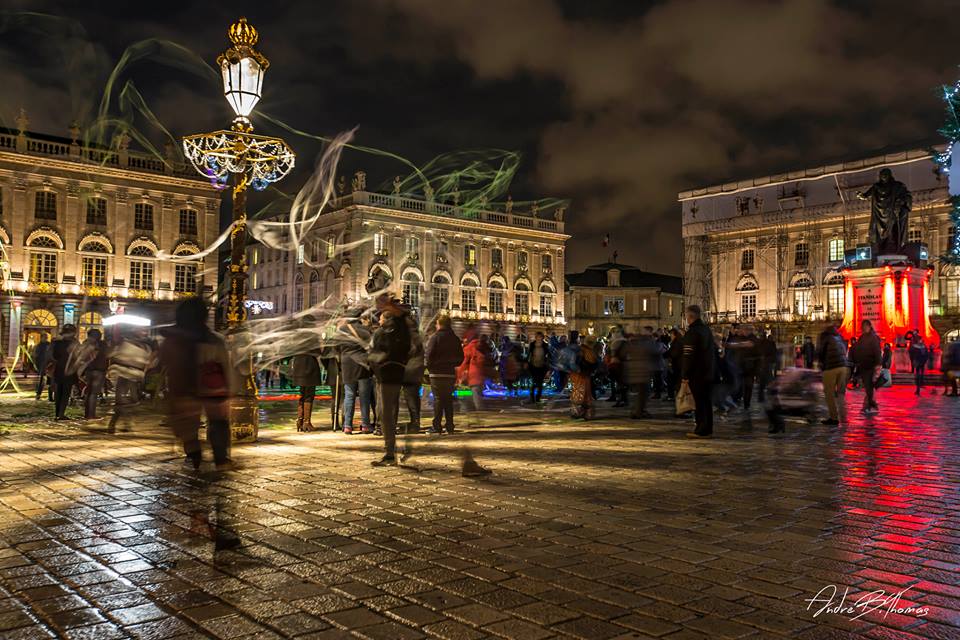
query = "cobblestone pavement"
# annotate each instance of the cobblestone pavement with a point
(607, 529)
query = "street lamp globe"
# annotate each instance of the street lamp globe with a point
(243, 68)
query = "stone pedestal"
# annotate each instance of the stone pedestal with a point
(895, 298)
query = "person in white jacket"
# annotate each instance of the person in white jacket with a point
(129, 362)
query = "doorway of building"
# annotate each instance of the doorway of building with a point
(38, 322)
(89, 320)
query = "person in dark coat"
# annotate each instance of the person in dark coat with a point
(539, 362)
(768, 363)
(744, 354)
(357, 378)
(697, 370)
(389, 353)
(674, 359)
(307, 374)
(92, 369)
(808, 352)
(63, 381)
(919, 356)
(41, 358)
(443, 354)
(832, 354)
(413, 375)
(866, 354)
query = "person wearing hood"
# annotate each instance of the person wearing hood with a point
(832, 356)
(389, 354)
(199, 381)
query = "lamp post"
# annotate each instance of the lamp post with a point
(249, 160)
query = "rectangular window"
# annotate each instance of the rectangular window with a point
(496, 258)
(45, 205)
(546, 305)
(522, 304)
(184, 280)
(97, 211)
(331, 247)
(94, 272)
(255, 259)
(801, 255)
(670, 307)
(522, 258)
(380, 244)
(613, 306)
(43, 267)
(470, 255)
(412, 246)
(950, 245)
(188, 222)
(747, 260)
(644, 304)
(441, 249)
(141, 275)
(915, 234)
(468, 299)
(143, 216)
(496, 301)
(835, 301)
(748, 305)
(298, 298)
(801, 301)
(300, 254)
(441, 297)
(546, 261)
(411, 294)
(835, 250)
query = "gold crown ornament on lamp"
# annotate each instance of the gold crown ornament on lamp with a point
(242, 68)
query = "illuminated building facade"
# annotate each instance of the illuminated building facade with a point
(500, 269)
(771, 250)
(82, 226)
(611, 294)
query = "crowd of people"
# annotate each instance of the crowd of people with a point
(377, 361)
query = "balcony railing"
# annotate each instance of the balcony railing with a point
(415, 205)
(93, 154)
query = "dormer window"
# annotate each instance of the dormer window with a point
(613, 278)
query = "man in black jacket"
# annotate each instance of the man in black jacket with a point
(63, 379)
(697, 370)
(867, 356)
(443, 355)
(832, 354)
(389, 353)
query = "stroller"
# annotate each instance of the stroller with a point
(795, 392)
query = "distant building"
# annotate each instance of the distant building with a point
(500, 269)
(771, 250)
(611, 294)
(80, 229)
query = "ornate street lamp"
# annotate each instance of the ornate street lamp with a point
(251, 161)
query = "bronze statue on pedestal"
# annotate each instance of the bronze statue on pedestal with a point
(890, 203)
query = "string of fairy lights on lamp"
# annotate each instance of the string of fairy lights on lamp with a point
(951, 131)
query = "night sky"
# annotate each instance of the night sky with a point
(615, 105)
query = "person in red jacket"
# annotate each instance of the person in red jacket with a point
(476, 365)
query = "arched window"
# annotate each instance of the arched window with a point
(495, 297)
(411, 289)
(314, 288)
(747, 283)
(468, 294)
(40, 318)
(92, 246)
(298, 293)
(43, 264)
(440, 292)
(142, 251)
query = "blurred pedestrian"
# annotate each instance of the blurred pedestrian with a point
(353, 337)
(640, 365)
(509, 364)
(867, 355)
(539, 361)
(90, 362)
(63, 381)
(129, 361)
(919, 357)
(389, 353)
(581, 377)
(199, 381)
(832, 354)
(808, 351)
(42, 354)
(476, 367)
(698, 369)
(443, 354)
(307, 376)
(413, 375)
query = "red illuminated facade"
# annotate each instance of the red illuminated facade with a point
(895, 298)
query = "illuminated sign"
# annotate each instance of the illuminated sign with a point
(258, 306)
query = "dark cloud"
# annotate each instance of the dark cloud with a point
(616, 105)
